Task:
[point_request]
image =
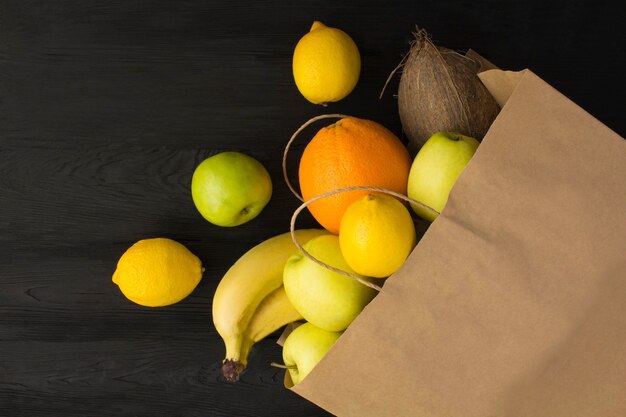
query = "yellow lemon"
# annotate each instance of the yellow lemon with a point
(326, 64)
(376, 235)
(157, 272)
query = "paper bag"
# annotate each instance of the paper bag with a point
(514, 301)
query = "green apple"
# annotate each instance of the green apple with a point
(304, 348)
(230, 188)
(435, 169)
(325, 298)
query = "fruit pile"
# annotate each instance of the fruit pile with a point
(357, 179)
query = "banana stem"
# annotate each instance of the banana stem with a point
(232, 369)
(236, 358)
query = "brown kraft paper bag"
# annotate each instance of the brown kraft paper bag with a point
(514, 301)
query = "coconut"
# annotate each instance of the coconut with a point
(440, 91)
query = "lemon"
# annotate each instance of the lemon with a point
(157, 272)
(376, 235)
(326, 64)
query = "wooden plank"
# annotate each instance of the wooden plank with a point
(106, 107)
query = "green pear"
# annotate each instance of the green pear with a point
(436, 168)
(325, 298)
(304, 348)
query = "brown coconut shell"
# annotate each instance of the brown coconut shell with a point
(440, 91)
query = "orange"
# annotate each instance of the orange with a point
(350, 152)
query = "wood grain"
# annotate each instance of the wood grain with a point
(106, 107)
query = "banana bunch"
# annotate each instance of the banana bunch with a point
(250, 301)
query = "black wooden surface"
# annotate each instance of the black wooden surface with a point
(106, 107)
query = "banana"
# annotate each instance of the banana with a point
(242, 289)
(274, 312)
